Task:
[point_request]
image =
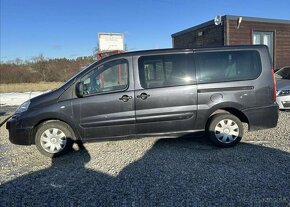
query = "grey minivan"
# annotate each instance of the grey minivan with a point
(164, 93)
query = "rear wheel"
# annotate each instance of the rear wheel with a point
(54, 138)
(225, 130)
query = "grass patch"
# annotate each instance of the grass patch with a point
(28, 87)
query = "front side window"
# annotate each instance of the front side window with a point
(166, 70)
(112, 76)
(227, 66)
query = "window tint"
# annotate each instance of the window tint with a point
(227, 66)
(166, 70)
(112, 76)
(284, 73)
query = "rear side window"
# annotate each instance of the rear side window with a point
(227, 66)
(166, 70)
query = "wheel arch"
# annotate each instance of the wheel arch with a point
(75, 135)
(238, 113)
(231, 108)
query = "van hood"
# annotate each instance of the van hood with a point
(46, 98)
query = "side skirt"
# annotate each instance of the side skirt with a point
(141, 136)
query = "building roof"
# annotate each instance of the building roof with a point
(232, 17)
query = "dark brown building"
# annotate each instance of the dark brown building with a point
(239, 30)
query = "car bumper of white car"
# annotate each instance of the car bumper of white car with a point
(283, 102)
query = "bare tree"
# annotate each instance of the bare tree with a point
(18, 61)
(40, 65)
(41, 69)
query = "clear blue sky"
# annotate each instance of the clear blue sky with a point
(69, 28)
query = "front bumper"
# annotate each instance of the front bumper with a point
(283, 102)
(17, 133)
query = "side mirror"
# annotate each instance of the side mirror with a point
(80, 89)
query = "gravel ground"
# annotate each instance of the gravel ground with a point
(151, 172)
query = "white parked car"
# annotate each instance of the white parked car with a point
(283, 87)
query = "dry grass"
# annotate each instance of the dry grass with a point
(28, 87)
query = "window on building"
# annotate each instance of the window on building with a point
(264, 38)
(166, 70)
(226, 66)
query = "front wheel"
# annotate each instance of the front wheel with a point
(54, 138)
(225, 130)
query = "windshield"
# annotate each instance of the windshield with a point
(283, 73)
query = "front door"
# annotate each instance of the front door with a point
(265, 38)
(107, 108)
(165, 93)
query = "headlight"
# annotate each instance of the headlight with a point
(284, 93)
(23, 107)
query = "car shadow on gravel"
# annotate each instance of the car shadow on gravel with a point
(174, 172)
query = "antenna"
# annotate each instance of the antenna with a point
(239, 22)
(218, 20)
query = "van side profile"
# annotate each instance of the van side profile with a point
(164, 93)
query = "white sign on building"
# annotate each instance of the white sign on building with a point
(111, 41)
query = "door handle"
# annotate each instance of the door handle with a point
(125, 98)
(143, 96)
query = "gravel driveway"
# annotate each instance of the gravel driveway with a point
(151, 172)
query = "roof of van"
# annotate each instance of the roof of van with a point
(181, 50)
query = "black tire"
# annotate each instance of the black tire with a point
(225, 130)
(54, 138)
